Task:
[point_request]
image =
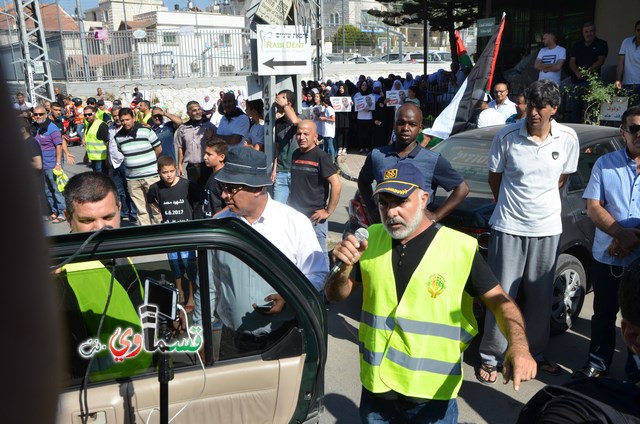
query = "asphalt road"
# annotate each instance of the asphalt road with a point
(478, 403)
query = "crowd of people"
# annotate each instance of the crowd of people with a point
(419, 277)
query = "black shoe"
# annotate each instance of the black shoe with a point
(587, 372)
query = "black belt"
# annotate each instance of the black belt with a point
(196, 165)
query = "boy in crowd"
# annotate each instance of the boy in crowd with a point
(215, 153)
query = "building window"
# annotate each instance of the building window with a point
(105, 16)
(224, 40)
(170, 38)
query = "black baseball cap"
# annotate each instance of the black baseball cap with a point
(117, 103)
(91, 101)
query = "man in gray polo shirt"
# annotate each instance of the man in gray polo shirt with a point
(528, 163)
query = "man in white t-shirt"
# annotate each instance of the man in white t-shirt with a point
(628, 69)
(489, 116)
(550, 59)
(529, 162)
(501, 101)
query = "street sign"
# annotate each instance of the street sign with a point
(486, 27)
(283, 50)
(274, 12)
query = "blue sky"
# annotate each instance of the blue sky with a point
(70, 5)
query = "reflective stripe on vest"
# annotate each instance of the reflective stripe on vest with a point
(90, 283)
(414, 346)
(96, 149)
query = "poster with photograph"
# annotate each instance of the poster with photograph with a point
(316, 112)
(341, 104)
(366, 102)
(305, 112)
(396, 97)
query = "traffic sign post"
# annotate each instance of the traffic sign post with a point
(283, 50)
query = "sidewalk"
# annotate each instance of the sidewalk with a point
(349, 165)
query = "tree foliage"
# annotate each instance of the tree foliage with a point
(443, 15)
(352, 36)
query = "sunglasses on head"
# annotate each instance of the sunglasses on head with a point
(632, 129)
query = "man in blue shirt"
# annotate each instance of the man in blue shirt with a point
(436, 169)
(613, 205)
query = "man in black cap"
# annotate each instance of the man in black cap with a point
(251, 312)
(102, 112)
(419, 279)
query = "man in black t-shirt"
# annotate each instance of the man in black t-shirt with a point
(590, 54)
(315, 184)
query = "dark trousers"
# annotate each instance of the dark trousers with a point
(198, 173)
(376, 410)
(365, 134)
(606, 280)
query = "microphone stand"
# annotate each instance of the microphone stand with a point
(165, 371)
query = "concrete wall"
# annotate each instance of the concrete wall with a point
(614, 22)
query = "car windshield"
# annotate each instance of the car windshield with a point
(469, 158)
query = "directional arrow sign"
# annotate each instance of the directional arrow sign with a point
(283, 50)
(272, 63)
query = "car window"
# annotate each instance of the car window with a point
(469, 158)
(118, 351)
(588, 156)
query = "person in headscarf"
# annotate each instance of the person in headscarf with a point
(343, 121)
(408, 81)
(208, 106)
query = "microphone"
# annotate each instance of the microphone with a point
(362, 235)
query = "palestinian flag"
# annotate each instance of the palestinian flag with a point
(458, 115)
(463, 57)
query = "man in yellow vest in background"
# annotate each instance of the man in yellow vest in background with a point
(96, 139)
(419, 279)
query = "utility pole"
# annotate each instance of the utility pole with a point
(83, 42)
(33, 38)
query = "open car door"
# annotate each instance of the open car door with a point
(113, 360)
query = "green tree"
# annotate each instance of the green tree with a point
(352, 36)
(449, 15)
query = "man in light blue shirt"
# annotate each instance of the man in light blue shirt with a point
(613, 204)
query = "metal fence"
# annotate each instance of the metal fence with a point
(159, 54)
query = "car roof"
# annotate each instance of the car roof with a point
(586, 133)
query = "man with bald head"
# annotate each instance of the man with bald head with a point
(436, 169)
(315, 184)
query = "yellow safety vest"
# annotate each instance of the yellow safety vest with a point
(96, 149)
(90, 283)
(415, 346)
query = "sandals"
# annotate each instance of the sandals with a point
(548, 367)
(58, 220)
(489, 369)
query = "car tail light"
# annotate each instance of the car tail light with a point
(356, 210)
(482, 234)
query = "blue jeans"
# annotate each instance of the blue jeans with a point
(183, 262)
(119, 176)
(375, 410)
(603, 321)
(281, 187)
(329, 147)
(99, 166)
(54, 197)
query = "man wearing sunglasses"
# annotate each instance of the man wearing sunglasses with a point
(613, 204)
(243, 182)
(96, 139)
(50, 140)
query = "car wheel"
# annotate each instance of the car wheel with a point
(569, 288)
